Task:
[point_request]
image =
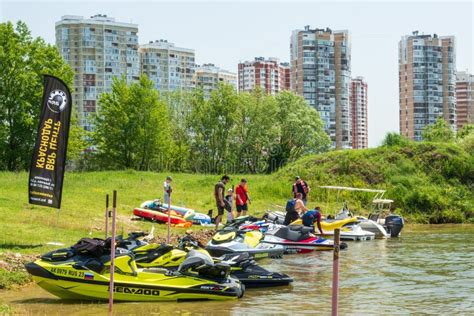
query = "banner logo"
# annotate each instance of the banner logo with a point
(57, 101)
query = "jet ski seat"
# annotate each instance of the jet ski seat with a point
(204, 265)
(59, 255)
(288, 234)
(152, 254)
(301, 228)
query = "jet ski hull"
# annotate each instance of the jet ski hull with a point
(263, 251)
(70, 283)
(303, 246)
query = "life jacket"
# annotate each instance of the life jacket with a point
(290, 206)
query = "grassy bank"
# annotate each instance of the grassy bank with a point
(429, 183)
(27, 229)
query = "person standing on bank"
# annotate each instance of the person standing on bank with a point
(302, 187)
(167, 189)
(242, 198)
(219, 195)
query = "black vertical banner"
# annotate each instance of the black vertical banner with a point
(49, 156)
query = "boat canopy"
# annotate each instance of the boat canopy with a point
(382, 201)
(351, 189)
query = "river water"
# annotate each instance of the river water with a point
(428, 270)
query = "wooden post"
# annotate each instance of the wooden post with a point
(112, 253)
(106, 216)
(169, 218)
(335, 272)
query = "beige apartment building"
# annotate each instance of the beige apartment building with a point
(97, 49)
(171, 68)
(208, 77)
(427, 82)
(359, 108)
(321, 73)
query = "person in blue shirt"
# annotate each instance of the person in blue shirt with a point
(313, 216)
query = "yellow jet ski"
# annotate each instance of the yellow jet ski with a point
(330, 225)
(70, 274)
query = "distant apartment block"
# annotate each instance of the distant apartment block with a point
(359, 101)
(268, 74)
(427, 65)
(464, 99)
(321, 73)
(171, 68)
(97, 49)
(208, 77)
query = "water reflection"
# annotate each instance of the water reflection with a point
(430, 269)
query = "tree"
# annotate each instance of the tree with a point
(438, 132)
(179, 105)
(395, 139)
(23, 62)
(254, 131)
(209, 125)
(300, 131)
(131, 127)
(78, 142)
(465, 131)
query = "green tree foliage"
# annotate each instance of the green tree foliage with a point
(300, 131)
(438, 132)
(429, 182)
(254, 132)
(23, 62)
(132, 128)
(465, 131)
(78, 142)
(245, 132)
(395, 139)
(209, 125)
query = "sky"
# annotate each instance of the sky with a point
(226, 32)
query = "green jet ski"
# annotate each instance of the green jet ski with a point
(84, 274)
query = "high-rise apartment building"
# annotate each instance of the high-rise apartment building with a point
(97, 49)
(427, 82)
(208, 77)
(321, 73)
(268, 74)
(359, 101)
(464, 99)
(285, 76)
(171, 68)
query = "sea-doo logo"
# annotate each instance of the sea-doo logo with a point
(212, 287)
(57, 101)
(135, 291)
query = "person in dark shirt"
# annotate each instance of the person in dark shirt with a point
(219, 195)
(302, 187)
(311, 217)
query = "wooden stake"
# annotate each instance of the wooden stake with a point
(112, 253)
(106, 216)
(335, 272)
(169, 219)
